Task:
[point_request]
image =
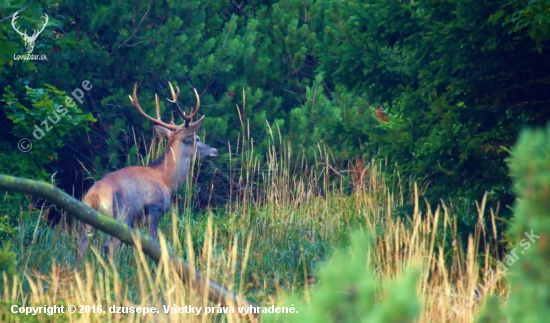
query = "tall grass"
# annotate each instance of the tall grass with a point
(284, 218)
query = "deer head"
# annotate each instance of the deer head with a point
(185, 133)
(29, 40)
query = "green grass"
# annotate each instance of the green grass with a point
(266, 244)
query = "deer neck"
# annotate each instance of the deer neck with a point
(173, 165)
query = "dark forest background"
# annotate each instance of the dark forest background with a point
(438, 90)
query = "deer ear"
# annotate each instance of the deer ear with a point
(162, 132)
(195, 126)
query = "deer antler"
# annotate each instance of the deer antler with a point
(29, 40)
(174, 100)
(15, 27)
(157, 121)
(36, 32)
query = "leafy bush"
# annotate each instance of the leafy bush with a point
(348, 291)
(8, 263)
(457, 83)
(446, 77)
(527, 272)
(45, 118)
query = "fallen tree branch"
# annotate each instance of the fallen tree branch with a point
(202, 284)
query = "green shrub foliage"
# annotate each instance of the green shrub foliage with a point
(457, 80)
(348, 291)
(8, 263)
(446, 72)
(529, 282)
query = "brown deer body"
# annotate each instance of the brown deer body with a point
(145, 191)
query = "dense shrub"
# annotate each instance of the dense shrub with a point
(457, 81)
(348, 291)
(529, 253)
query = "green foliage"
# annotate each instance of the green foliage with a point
(528, 18)
(528, 275)
(445, 72)
(349, 292)
(458, 81)
(47, 120)
(491, 311)
(48, 123)
(8, 263)
(7, 229)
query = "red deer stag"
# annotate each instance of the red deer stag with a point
(137, 191)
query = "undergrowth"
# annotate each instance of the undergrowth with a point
(285, 219)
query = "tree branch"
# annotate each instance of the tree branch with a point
(20, 11)
(203, 285)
